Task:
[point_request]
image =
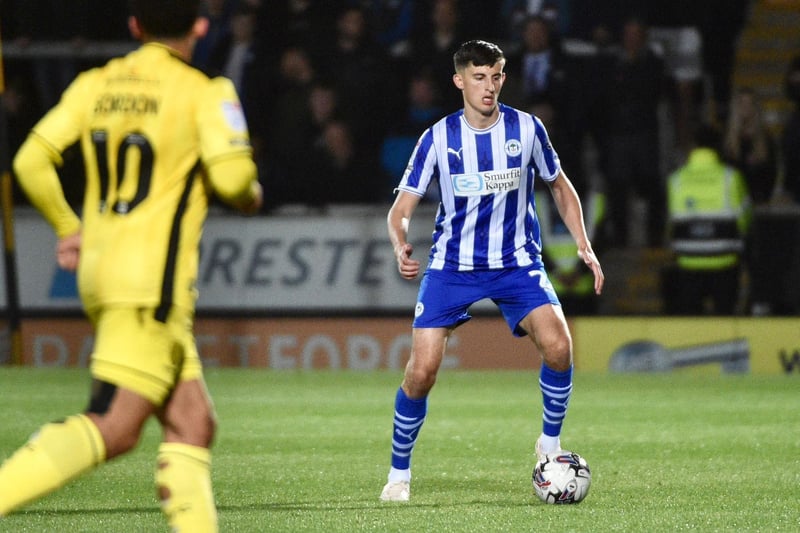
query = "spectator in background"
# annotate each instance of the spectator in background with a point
(234, 51)
(539, 67)
(422, 110)
(236, 58)
(436, 38)
(360, 71)
(52, 20)
(514, 13)
(323, 104)
(329, 166)
(341, 172)
(299, 178)
(391, 22)
(709, 217)
(633, 86)
(544, 80)
(790, 139)
(297, 22)
(683, 57)
(749, 146)
(291, 124)
(291, 128)
(218, 13)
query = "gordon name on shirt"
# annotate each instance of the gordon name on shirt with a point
(140, 104)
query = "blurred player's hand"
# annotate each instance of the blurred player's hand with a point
(253, 207)
(408, 268)
(68, 252)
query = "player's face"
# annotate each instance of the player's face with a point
(481, 86)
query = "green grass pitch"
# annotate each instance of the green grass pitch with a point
(309, 451)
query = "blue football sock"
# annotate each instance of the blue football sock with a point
(408, 418)
(556, 391)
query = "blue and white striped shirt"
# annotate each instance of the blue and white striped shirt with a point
(487, 217)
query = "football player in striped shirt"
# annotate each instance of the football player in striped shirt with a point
(158, 138)
(486, 244)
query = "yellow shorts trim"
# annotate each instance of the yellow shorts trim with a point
(134, 351)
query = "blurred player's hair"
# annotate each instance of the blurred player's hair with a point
(166, 18)
(477, 52)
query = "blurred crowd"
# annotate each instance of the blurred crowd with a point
(336, 92)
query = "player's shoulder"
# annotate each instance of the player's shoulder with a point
(519, 113)
(450, 122)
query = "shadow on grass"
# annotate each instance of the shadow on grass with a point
(433, 494)
(68, 512)
(370, 505)
(291, 507)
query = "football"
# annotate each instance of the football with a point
(561, 478)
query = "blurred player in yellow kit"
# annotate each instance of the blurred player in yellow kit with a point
(158, 139)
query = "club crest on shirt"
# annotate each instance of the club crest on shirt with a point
(513, 148)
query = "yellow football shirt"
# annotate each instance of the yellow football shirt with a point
(149, 126)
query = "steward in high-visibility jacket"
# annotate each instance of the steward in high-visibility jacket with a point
(709, 214)
(572, 281)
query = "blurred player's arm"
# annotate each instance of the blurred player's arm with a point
(35, 168)
(569, 207)
(398, 220)
(225, 148)
(234, 180)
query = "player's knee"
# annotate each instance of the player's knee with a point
(558, 354)
(209, 430)
(119, 437)
(201, 435)
(197, 429)
(119, 442)
(418, 382)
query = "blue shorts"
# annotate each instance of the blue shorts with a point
(445, 296)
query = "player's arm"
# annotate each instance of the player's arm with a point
(35, 169)
(569, 207)
(234, 180)
(398, 220)
(225, 147)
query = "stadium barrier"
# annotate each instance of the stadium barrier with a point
(320, 290)
(740, 345)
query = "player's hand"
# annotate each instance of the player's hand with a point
(588, 257)
(408, 268)
(68, 251)
(254, 206)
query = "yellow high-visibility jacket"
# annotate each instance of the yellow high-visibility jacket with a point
(709, 212)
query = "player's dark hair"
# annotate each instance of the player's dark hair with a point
(166, 18)
(479, 53)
